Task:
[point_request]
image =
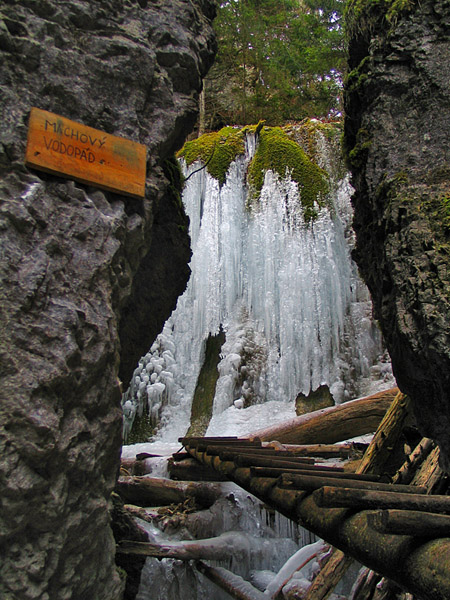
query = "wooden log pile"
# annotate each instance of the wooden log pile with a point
(390, 514)
(396, 529)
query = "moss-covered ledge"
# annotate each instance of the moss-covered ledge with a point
(216, 150)
(362, 15)
(277, 150)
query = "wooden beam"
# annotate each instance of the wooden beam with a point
(318, 471)
(310, 483)
(364, 499)
(402, 522)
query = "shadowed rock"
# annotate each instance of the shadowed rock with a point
(70, 260)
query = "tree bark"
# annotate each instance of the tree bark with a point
(333, 424)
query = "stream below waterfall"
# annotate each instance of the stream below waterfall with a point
(295, 316)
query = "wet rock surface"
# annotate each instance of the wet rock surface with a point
(396, 133)
(69, 255)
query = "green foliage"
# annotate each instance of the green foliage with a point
(280, 154)
(278, 60)
(216, 150)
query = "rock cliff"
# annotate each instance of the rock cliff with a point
(75, 263)
(396, 132)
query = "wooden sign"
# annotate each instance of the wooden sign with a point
(60, 146)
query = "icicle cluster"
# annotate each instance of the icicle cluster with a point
(286, 293)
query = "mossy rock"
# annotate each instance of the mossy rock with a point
(276, 151)
(280, 154)
(216, 150)
(202, 403)
(141, 431)
(316, 400)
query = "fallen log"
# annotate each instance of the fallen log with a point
(190, 469)
(385, 453)
(139, 512)
(365, 499)
(329, 576)
(217, 548)
(234, 585)
(332, 424)
(408, 470)
(313, 450)
(402, 522)
(248, 460)
(133, 466)
(152, 491)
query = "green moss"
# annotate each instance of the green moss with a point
(280, 154)
(142, 430)
(216, 150)
(357, 156)
(172, 171)
(202, 403)
(361, 15)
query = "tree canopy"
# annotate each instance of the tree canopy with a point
(278, 60)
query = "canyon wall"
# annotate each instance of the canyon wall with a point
(397, 125)
(87, 277)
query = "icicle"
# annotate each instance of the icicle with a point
(286, 293)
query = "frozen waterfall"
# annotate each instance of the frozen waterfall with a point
(285, 292)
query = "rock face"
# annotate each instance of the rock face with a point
(72, 259)
(396, 132)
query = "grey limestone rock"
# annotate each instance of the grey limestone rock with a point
(397, 126)
(71, 260)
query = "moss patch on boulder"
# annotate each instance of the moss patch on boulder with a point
(217, 150)
(319, 398)
(280, 154)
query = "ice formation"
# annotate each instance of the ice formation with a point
(286, 293)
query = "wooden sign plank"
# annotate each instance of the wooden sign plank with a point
(60, 146)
